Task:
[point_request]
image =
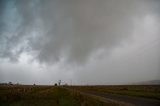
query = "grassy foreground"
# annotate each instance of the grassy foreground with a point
(145, 91)
(45, 96)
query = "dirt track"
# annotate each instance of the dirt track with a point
(132, 100)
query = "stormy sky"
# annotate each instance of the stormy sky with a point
(79, 41)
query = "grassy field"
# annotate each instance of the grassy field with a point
(21, 95)
(45, 96)
(146, 91)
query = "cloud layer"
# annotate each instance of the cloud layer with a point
(76, 33)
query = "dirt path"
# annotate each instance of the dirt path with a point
(128, 99)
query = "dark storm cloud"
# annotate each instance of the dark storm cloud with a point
(76, 29)
(67, 29)
(70, 29)
(15, 31)
(85, 32)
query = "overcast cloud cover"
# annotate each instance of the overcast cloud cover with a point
(86, 41)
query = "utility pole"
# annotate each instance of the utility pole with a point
(71, 82)
(59, 82)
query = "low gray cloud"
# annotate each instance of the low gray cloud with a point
(71, 31)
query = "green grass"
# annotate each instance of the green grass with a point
(45, 96)
(145, 91)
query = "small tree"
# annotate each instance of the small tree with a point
(55, 84)
(10, 83)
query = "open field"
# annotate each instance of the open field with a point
(145, 91)
(29, 95)
(21, 95)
